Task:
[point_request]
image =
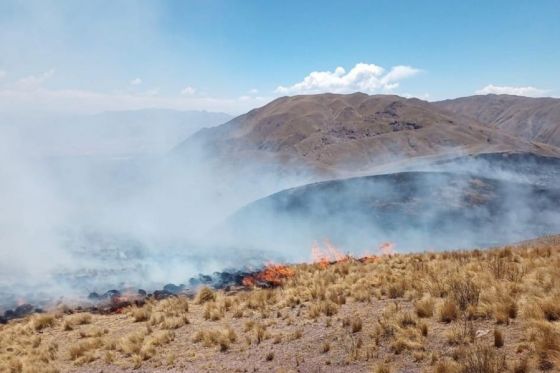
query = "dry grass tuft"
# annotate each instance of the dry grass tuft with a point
(205, 294)
(424, 307)
(448, 312)
(551, 308)
(482, 359)
(222, 338)
(42, 321)
(141, 314)
(79, 319)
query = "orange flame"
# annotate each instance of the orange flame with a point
(387, 248)
(327, 256)
(273, 274)
(368, 257)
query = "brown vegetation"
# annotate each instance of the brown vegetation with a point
(459, 312)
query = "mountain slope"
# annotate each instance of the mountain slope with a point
(348, 134)
(535, 119)
(416, 210)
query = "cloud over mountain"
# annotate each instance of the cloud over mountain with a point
(510, 90)
(367, 78)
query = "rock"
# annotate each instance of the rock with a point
(481, 333)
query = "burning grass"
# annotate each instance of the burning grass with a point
(476, 311)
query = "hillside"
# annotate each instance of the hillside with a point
(420, 210)
(536, 119)
(453, 312)
(344, 134)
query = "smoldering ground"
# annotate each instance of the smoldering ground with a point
(417, 210)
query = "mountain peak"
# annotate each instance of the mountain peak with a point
(345, 133)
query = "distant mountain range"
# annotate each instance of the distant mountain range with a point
(535, 119)
(344, 135)
(113, 133)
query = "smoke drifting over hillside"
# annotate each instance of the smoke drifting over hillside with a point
(72, 225)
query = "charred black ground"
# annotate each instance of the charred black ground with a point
(424, 210)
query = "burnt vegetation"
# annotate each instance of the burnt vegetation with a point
(465, 311)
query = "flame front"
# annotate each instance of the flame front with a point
(387, 248)
(324, 257)
(272, 274)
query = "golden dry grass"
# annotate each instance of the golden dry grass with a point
(478, 311)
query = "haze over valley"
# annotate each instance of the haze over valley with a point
(285, 186)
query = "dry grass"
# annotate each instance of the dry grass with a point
(424, 307)
(40, 322)
(205, 294)
(448, 311)
(481, 311)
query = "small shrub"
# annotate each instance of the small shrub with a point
(396, 290)
(356, 324)
(448, 312)
(424, 307)
(482, 359)
(465, 292)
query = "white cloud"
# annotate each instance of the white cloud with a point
(253, 91)
(422, 96)
(368, 78)
(188, 91)
(34, 81)
(136, 81)
(508, 90)
(2, 74)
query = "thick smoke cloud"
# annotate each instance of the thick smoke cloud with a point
(71, 225)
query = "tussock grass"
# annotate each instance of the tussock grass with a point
(40, 322)
(205, 294)
(480, 311)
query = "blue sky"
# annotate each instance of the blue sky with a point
(234, 55)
